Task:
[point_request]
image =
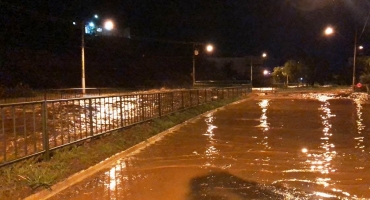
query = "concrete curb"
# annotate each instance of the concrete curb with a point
(79, 176)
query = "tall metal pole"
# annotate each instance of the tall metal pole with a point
(354, 62)
(193, 64)
(251, 72)
(83, 56)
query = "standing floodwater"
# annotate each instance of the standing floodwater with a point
(313, 146)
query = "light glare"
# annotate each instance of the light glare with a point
(108, 25)
(329, 30)
(209, 48)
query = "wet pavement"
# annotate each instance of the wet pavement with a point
(308, 146)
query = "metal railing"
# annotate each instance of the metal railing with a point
(37, 128)
(68, 93)
(225, 83)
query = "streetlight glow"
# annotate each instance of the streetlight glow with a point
(264, 55)
(209, 48)
(329, 31)
(108, 25)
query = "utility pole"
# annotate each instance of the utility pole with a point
(83, 56)
(354, 62)
(251, 71)
(193, 64)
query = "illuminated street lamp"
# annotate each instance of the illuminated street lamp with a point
(209, 48)
(107, 25)
(329, 31)
(264, 55)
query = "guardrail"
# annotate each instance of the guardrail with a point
(37, 128)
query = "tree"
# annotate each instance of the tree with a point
(278, 75)
(365, 76)
(294, 70)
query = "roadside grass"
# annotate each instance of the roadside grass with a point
(27, 177)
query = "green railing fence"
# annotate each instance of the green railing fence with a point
(39, 127)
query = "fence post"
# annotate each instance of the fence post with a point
(205, 95)
(141, 98)
(159, 105)
(172, 105)
(198, 96)
(91, 118)
(121, 113)
(45, 136)
(191, 101)
(182, 99)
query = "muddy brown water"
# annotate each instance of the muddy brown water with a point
(312, 147)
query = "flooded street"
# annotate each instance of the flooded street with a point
(308, 146)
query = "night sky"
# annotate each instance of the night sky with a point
(285, 29)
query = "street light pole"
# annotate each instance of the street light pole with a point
(193, 64)
(83, 56)
(354, 62)
(252, 71)
(209, 48)
(264, 55)
(330, 31)
(108, 25)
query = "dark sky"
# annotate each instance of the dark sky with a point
(283, 28)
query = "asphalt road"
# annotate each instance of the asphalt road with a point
(301, 146)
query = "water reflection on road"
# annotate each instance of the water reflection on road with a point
(312, 147)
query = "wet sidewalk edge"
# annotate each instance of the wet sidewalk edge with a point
(84, 174)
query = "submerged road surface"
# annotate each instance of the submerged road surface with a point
(307, 146)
